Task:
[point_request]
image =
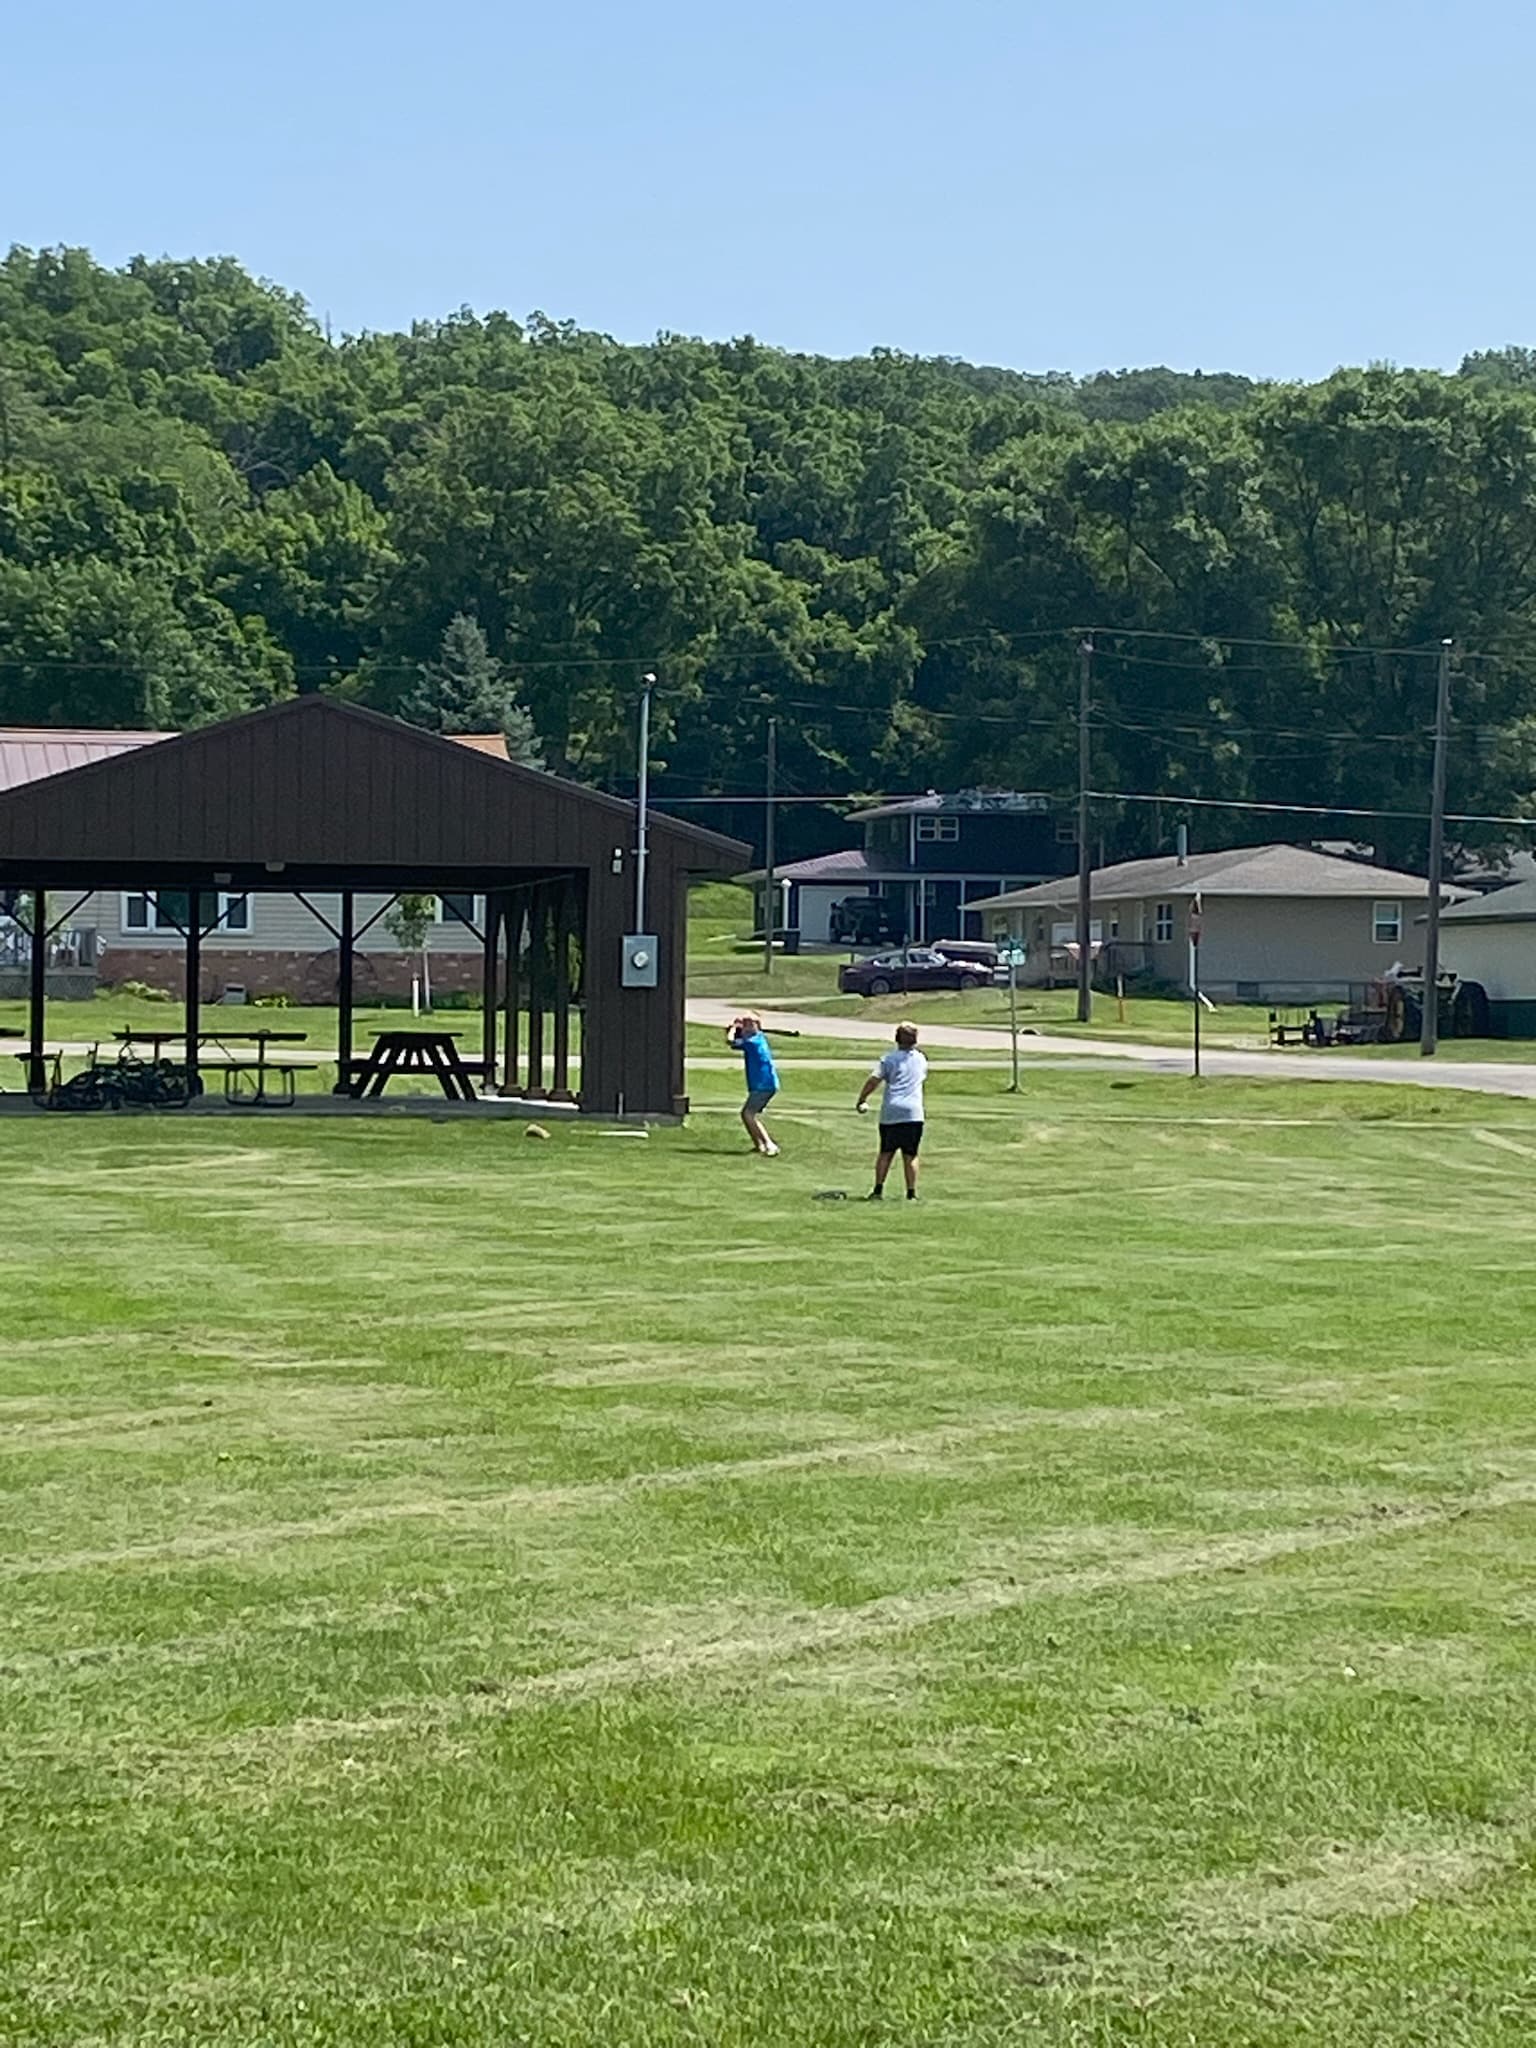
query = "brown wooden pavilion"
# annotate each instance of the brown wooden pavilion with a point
(316, 796)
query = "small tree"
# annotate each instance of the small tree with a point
(408, 921)
(468, 690)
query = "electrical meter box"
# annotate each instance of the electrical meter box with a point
(640, 958)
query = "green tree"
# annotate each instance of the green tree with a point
(467, 690)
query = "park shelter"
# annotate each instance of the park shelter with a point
(318, 797)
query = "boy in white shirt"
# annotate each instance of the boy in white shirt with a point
(902, 1072)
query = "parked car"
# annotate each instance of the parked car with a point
(916, 967)
(867, 921)
(986, 958)
(982, 951)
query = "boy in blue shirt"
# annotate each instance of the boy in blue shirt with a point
(746, 1037)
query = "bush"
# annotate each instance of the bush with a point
(278, 1000)
(140, 991)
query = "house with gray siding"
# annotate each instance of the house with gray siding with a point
(1279, 924)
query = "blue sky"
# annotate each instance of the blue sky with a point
(1226, 186)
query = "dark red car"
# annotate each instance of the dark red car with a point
(917, 967)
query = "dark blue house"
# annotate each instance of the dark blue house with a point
(926, 857)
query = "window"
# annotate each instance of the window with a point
(170, 910)
(1162, 923)
(1387, 923)
(1066, 831)
(456, 909)
(943, 830)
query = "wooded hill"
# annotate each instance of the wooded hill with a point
(205, 503)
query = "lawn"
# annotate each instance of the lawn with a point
(465, 1590)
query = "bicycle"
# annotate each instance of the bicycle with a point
(129, 1083)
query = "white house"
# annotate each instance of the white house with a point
(1279, 923)
(1492, 939)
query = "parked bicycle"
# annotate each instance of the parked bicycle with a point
(125, 1083)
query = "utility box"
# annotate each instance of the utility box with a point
(640, 960)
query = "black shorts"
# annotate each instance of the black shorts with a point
(901, 1138)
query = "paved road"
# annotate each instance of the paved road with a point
(1488, 1077)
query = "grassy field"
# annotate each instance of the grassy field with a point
(462, 1590)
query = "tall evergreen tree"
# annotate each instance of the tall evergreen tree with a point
(467, 690)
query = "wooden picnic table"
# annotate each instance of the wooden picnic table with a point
(413, 1052)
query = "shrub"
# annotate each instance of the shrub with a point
(141, 992)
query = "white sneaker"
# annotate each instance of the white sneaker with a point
(770, 1150)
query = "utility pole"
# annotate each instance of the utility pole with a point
(769, 809)
(642, 842)
(1084, 852)
(1429, 1028)
(1196, 920)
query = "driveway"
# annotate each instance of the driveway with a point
(1487, 1077)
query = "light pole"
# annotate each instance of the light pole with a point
(1084, 851)
(642, 844)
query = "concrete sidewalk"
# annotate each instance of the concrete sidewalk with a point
(1486, 1077)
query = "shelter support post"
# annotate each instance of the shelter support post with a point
(516, 910)
(489, 991)
(194, 984)
(37, 1076)
(538, 988)
(562, 921)
(344, 966)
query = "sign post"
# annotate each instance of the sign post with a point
(1194, 972)
(1014, 957)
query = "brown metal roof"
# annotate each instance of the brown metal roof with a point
(493, 743)
(317, 786)
(28, 753)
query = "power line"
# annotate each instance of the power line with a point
(1221, 803)
(1067, 636)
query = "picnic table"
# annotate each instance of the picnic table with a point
(413, 1052)
(261, 1071)
(133, 1034)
